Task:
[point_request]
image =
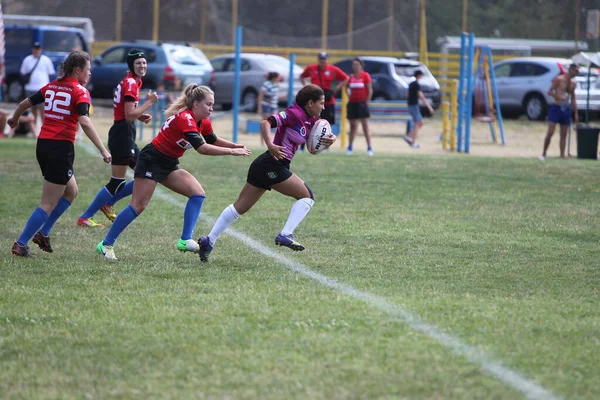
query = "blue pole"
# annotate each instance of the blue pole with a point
(461, 95)
(469, 110)
(291, 79)
(154, 107)
(236, 82)
(495, 96)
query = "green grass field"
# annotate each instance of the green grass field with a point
(456, 277)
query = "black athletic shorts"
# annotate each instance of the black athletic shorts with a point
(56, 159)
(152, 164)
(328, 113)
(265, 171)
(359, 110)
(121, 143)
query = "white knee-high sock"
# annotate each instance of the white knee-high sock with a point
(227, 217)
(299, 210)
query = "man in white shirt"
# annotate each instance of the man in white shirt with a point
(40, 71)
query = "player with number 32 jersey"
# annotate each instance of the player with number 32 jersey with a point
(61, 98)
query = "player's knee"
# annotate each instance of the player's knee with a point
(310, 193)
(138, 207)
(115, 185)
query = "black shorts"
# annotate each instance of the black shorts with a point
(359, 110)
(152, 164)
(56, 159)
(121, 143)
(328, 113)
(265, 171)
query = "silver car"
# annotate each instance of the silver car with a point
(254, 70)
(523, 84)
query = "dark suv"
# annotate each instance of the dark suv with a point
(166, 61)
(391, 77)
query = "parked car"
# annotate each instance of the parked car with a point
(254, 70)
(581, 92)
(57, 42)
(523, 84)
(166, 62)
(391, 76)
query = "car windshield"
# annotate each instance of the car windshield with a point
(407, 71)
(62, 41)
(187, 55)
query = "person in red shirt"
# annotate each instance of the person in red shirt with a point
(187, 127)
(323, 75)
(66, 103)
(121, 139)
(361, 90)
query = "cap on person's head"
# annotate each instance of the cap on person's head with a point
(418, 73)
(36, 45)
(323, 55)
(133, 55)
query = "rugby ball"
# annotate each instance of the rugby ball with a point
(314, 143)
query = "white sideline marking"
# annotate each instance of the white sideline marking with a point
(512, 378)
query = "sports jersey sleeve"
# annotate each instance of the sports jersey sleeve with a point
(37, 98)
(207, 131)
(339, 74)
(306, 72)
(81, 95)
(285, 118)
(195, 139)
(130, 90)
(367, 77)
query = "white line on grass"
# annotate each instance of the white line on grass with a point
(510, 377)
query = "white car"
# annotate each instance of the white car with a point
(523, 84)
(254, 70)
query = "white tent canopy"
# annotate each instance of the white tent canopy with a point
(587, 59)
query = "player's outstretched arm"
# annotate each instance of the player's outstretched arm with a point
(211, 150)
(14, 120)
(90, 132)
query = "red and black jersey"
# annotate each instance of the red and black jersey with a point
(172, 140)
(324, 78)
(61, 98)
(129, 87)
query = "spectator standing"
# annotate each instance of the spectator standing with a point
(36, 70)
(324, 75)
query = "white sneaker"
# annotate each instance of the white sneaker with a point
(349, 152)
(415, 146)
(542, 158)
(107, 251)
(188, 245)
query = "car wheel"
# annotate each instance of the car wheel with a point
(535, 107)
(249, 100)
(14, 90)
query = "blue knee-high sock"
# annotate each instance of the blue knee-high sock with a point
(101, 199)
(59, 210)
(190, 215)
(126, 191)
(34, 223)
(123, 220)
